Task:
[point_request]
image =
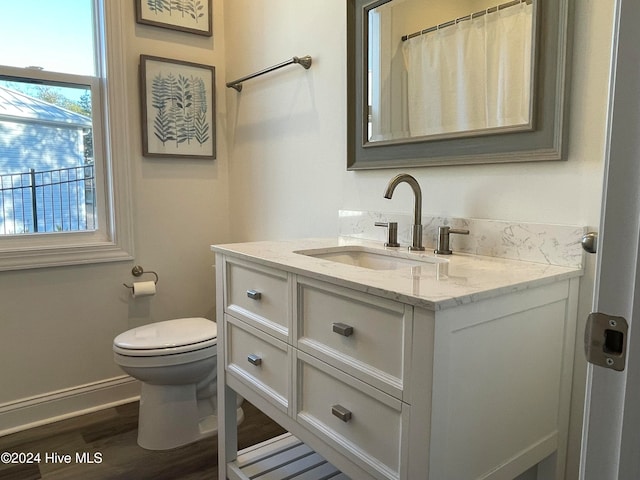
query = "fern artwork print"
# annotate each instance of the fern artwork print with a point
(178, 108)
(193, 16)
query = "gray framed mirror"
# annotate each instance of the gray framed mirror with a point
(436, 82)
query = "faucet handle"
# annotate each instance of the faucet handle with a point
(392, 233)
(442, 244)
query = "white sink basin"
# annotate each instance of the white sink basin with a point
(371, 258)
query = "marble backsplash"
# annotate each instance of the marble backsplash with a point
(530, 242)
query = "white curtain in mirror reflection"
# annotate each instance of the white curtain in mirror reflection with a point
(472, 75)
(481, 67)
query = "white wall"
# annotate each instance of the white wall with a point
(287, 132)
(287, 142)
(57, 325)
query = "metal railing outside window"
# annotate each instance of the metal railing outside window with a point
(60, 200)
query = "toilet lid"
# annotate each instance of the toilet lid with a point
(168, 334)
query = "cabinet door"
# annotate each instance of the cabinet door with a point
(364, 335)
(258, 295)
(258, 360)
(353, 416)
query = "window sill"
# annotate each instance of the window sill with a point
(57, 256)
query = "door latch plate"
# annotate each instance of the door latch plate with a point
(605, 340)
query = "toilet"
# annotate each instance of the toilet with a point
(175, 361)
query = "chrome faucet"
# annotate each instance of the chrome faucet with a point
(416, 228)
(442, 242)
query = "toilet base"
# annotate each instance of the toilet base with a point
(169, 418)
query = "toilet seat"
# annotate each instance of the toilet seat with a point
(167, 338)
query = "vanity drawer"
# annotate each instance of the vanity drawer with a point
(259, 295)
(364, 335)
(258, 360)
(351, 415)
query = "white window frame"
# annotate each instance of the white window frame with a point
(113, 240)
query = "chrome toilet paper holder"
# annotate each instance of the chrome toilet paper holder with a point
(138, 271)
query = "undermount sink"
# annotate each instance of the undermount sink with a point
(371, 258)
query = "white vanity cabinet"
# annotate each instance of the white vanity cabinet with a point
(382, 386)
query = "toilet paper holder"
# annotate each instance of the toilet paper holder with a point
(138, 271)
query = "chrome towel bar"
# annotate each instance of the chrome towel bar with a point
(302, 61)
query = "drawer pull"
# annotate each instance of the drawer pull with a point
(254, 360)
(254, 294)
(341, 412)
(343, 329)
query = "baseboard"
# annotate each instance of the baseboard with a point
(70, 402)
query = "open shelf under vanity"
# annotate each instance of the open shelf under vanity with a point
(282, 457)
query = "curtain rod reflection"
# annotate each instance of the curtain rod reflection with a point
(466, 17)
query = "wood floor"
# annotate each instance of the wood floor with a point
(110, 436)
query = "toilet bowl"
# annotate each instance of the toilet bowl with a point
(175, 361)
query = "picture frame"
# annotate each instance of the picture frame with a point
(178, 108)
(192, 16)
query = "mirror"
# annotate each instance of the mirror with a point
(434, 82)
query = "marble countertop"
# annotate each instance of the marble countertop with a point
(442, 281)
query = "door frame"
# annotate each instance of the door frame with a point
(611, 437)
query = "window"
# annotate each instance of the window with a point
(62, 178)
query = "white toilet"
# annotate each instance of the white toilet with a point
(176, 362)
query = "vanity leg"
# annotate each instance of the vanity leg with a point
(227, 428)
(227, 408)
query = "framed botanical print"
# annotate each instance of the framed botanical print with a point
(193, 16)
(178, 108)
